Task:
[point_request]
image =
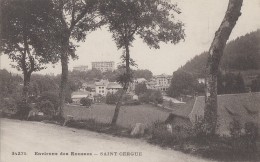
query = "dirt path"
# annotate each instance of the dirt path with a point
(31, 137)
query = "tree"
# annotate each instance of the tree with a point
(77, 18)
(146, 74)
(140, 88)
(27, 36)
(255, 86)
(151, 20)
(214, 57)
(182, 83)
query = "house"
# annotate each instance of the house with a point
(88, 86)
(101, 87)
(243, 107)
(77, 96)
(113, 87)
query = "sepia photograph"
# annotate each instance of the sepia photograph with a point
(129, 81)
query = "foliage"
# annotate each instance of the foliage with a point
(111, 98)
(182, 83)
(9, 83)
(255, 86)
(47, 107)
(154, 96)
(86, 102)
(42, 83)
(50, 98)
(240, 54)
(140, 88)
(140, 73)
(230, 83)
(27, 33)
(243, 141)
(23, 109)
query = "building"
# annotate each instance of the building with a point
(77, 96)
(101, 87)
(104, 66)
(88, 86)
(104, 86)
(80, 68)
(163, 82)
(113, 87)
(243, 107)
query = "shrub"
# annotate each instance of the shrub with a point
(251, 135)
(160, 135)
(52, 97)
(154, 96)
(23, 109)
(144, 98)
(243, 141)
(111, 98)
(47, 108)
(86, 102)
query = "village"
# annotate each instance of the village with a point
(120, 80)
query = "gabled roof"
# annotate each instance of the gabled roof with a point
(114, 85)
(102, 83)
(80, 94)
(244, 107)
(183, 109)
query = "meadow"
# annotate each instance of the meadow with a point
(128, 116)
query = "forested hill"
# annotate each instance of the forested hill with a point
(241, 54)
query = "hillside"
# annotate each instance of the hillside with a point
(240, 55)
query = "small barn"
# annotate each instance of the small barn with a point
(179, 120)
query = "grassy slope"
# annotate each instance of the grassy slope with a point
(129, 115)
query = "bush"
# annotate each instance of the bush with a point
(86, 102)
(47, 108)
(160, 135)
(111, 98)
(243, 141)
(144, 98)
(154, 96)
(51, 97)
(23, 109)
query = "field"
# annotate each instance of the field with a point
(128, 116)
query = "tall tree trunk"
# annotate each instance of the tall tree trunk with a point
(64, 82)
(125, 87)
(26, 84)
(215, 54)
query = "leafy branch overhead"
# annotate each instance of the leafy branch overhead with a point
(152, 20)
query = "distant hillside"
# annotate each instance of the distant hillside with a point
(241, 54)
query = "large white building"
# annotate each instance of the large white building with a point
(163, 81)
(104, 66)
(104, 86)
(81, 68)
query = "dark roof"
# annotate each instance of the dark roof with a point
(114, 85)
(183, 110)
(244, 107)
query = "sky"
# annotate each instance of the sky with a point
(201, 18)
